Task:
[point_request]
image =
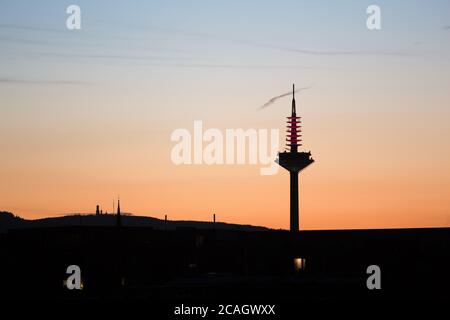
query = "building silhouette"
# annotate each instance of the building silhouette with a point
(118, 215)
(153, 263)
(294, 160)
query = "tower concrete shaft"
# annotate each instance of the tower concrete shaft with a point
(294, 201)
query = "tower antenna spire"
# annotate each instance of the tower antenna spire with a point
(293, 101)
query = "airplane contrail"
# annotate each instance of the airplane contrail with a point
(272, 100)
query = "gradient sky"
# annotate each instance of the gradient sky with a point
(87, 115)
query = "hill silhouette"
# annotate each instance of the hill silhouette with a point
(10, 221)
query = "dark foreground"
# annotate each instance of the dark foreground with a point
(191, 265)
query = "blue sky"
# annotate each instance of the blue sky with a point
(215, 45)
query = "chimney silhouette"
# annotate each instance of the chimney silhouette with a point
(97, 211)
(294, 161)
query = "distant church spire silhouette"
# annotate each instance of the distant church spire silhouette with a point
(118, 216)
(293, 160)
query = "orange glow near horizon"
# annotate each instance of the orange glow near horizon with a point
(87, 115)
(338, 191)
(364, 176)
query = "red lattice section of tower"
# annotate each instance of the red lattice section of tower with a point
(293, 136)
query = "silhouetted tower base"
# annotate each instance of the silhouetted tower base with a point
(294, 161)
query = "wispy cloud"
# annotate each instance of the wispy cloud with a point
(446, 27)
(29, 28)
(26, 41)
(272, 100)
(320, 52)
(303, 51)
(188, 33)
(338, 53)
(165, 61)
(233, 66)
(116, 56)
(43, 82)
